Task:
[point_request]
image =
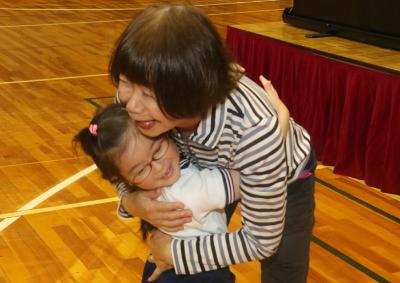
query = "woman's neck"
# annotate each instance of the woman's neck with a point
(187, 126)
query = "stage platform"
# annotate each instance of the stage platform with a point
(334, 47)
(345, 93)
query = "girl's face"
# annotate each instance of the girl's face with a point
(149, 163)
(142, 106)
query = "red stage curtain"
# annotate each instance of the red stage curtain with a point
(351, 112)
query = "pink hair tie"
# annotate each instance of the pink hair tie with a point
(93, 129)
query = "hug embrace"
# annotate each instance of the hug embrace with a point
(179, 89)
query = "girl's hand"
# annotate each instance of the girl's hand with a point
(269, 88)
(238, 68)
(280, 107)
(160, 248)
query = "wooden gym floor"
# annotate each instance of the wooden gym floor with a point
(57, 217)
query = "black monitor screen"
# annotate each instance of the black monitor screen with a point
(379, 16)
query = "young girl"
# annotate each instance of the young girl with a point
(121, 152)
(173, 73)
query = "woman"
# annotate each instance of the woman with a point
(174, 73)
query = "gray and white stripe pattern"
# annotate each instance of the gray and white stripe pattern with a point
(244, 134)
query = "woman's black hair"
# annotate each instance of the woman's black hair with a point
(104, 140)
(175, 51)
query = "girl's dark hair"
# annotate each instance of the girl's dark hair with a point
(107, 143)
(114, 127)
(176, 52)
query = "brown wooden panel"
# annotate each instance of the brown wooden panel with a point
(52, 59)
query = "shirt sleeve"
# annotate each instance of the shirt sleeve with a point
(261, 159)
(121, 189)
(207, 190)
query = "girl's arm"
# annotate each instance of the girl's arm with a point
(236, 183)
(280, 107)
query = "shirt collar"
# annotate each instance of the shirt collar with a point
(210, 127)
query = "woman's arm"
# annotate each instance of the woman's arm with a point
(261, 159)
(263, 195)
(218, 187)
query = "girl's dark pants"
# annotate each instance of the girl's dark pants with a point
(222, 275)
(290, 262)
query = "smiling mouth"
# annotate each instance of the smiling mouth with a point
(145, 125)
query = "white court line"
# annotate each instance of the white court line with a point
(58, 208)
(127, 8)
(67, 23)
(41, 198)
(37, 162)
(53, 79)
(126, 20)
(244, 12)
(235, 3)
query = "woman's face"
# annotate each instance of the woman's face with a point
(149, 163)
(142, 107)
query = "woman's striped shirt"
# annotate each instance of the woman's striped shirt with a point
(243, 134)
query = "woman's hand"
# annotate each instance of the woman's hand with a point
(170, 216)
(160, 248)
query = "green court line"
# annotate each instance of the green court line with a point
(339, 254)
(349, 260)
(359, 201)
(91, 100)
